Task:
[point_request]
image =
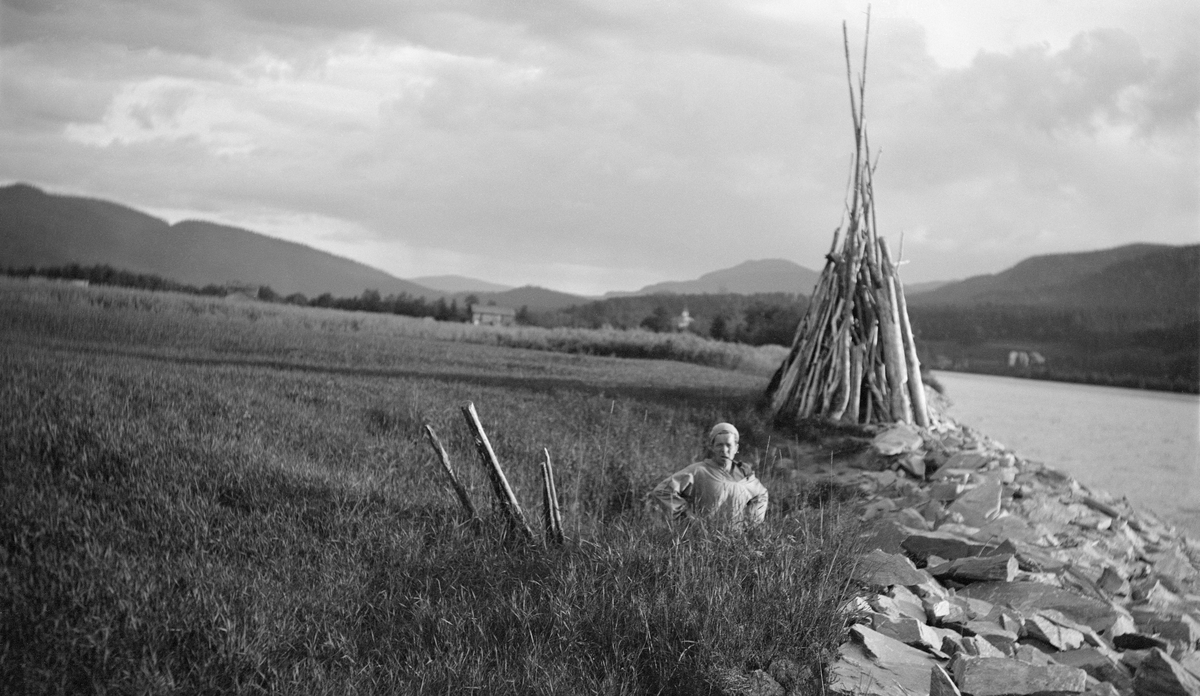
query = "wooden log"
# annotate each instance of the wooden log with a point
(893, 351)
(444, 458)
(904, 399)
(851, 414)
(846, 378)
(883, 406)
(547, 507)
(555, 516)
(916, 386)
(504, 493)
(793, 387)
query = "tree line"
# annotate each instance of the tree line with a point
(368, 301)
(1154, 349)
(752, 319)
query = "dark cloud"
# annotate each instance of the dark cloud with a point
(668, 135)
(1172, 97)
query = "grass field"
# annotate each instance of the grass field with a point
(199, 496)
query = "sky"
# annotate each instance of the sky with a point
(598, 145)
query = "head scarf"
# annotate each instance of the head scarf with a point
(721, 429)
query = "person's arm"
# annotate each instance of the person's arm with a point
(674, 494)
(756, 507)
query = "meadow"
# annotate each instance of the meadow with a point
(200, 496)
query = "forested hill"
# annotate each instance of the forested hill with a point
(1127, 316)
(41, 230)
(1146, 278)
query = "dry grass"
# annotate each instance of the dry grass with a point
(195, 500)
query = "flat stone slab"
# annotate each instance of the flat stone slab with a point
(979, 505)
(907, 630)
(908, 603)
(872, 663)
(940, 683)
(951, 546)
(980, 647)
(1099, 664)
(1182, 629)
(900, 438)
(1159, 675)
(994, 676)
(1061, 637)
(883, 569)
(1001, 567)
(1029, 597)
(1003, 639)
(1009, 527)
(967, 460)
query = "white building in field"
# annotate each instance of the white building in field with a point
(493, 315)
(1025, 358)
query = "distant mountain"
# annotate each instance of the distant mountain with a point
(459, 284)
(748, 278)
(533, 297)
(1135, 276)
(40, 229)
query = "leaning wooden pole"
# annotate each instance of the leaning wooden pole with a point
(552, 516)
(444, 458)
(916, 386)
(487, 456)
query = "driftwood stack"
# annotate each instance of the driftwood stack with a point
(853, 359)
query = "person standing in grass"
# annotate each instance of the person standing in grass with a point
(720, 487)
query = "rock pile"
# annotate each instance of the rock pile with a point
(989, 574)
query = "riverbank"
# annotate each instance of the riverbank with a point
(1144, 445)
(988, 573)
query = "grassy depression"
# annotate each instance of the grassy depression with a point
(207, 498)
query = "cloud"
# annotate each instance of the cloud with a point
(1101, 79)
(584, 140)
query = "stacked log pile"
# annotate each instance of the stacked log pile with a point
(853, 358)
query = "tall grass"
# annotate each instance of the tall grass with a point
(176, 524)
(188, 321)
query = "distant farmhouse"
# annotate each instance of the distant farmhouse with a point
(493, 315)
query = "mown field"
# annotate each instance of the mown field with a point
(205, 497)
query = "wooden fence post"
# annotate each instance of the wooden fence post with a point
(504, 493)
(551, 514)
(444, 458)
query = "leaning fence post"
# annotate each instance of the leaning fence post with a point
(504, 493)
(444, 458)
(550, 511)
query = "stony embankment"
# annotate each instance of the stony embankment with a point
(989, 574)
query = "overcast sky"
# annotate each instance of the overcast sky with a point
(589, 146)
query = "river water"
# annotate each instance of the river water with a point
(1139, 444)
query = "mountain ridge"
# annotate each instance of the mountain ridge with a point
(747, 278)
(45, 229)
(1129, 276)
(458, 284)
(42, 229)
